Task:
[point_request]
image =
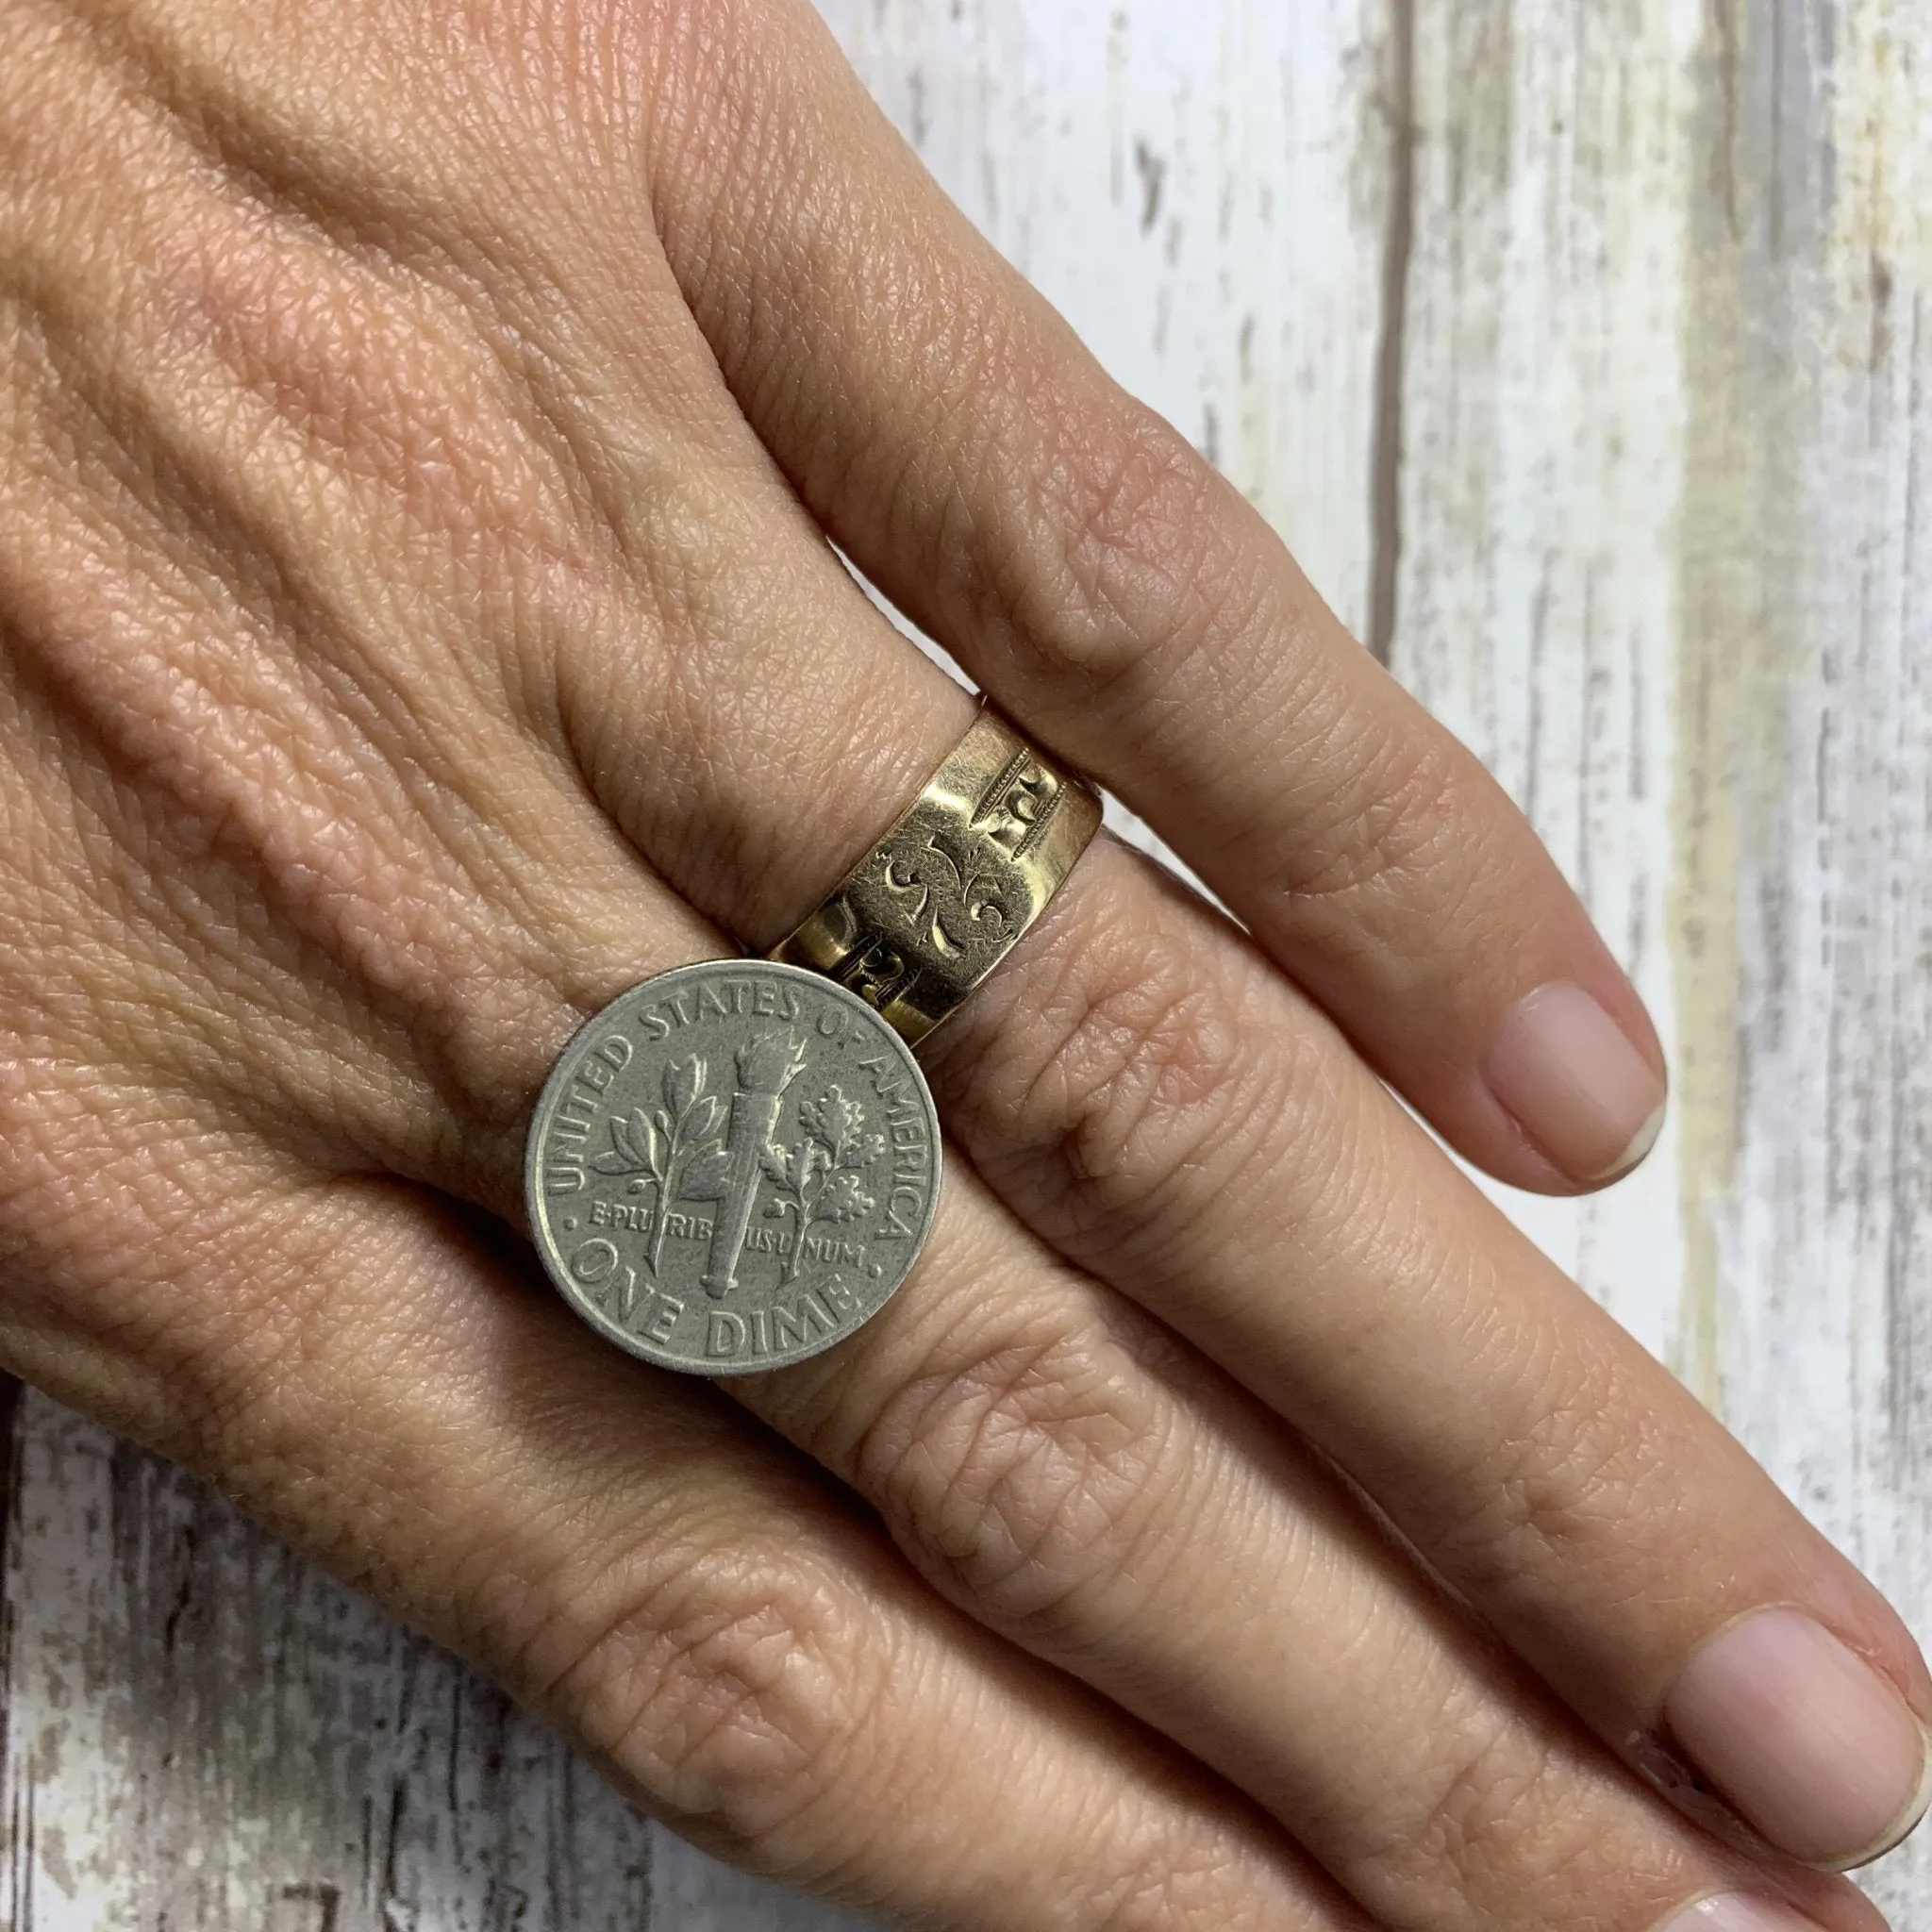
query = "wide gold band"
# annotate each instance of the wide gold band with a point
(938, 903)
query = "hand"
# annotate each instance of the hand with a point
(421, 425)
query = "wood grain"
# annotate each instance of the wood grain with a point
(1584, 356)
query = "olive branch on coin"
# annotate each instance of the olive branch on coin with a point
(818, 1178)
(668, 1145)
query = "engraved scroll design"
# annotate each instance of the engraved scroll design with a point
(819, 1178)
(956, 886)
(957, 901)
(673, 1151)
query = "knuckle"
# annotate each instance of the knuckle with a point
(344, 366)
(119, 1223)
(1587, 1455)
(726, 1681)
(1025, 1469)
(1472, 1828)
(1381, 809)
(1132, 1073)
(280, 372)
(1511, 1811)
(1164, 1894)
(57, 124)
(1137, 1071)
(1124, 564)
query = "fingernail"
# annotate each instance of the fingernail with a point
(1574, 1084)
(1737, 1911)
(1808, 1744)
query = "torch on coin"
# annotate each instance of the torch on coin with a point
(766, 1066)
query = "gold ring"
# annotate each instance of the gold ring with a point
(941, 900)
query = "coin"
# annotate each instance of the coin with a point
(732, 1167)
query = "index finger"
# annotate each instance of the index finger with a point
(1098, 576)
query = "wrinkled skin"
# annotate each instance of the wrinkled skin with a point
(421, 423)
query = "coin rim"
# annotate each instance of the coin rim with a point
(534, 1198)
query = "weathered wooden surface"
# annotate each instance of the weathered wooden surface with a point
(1582, 353)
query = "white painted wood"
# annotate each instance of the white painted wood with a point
(1542, 430)
(1582, 355)
(204, 1732)
(1664, 564)
(1819, 1226)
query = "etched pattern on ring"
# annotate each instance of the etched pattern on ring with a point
(941, 899)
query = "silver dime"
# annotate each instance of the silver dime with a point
(732, 1167)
